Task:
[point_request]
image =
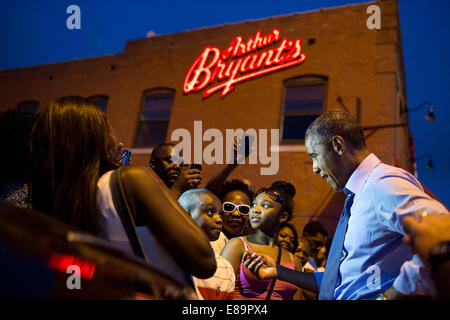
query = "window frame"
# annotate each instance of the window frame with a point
(100, 96)
(300, 81)
(154, 92)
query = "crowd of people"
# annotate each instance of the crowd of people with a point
(228, 240)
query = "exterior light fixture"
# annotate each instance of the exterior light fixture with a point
(429, 116)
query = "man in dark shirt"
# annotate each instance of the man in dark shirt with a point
(163, 162)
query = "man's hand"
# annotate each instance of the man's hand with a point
(261, 266)
(114, 156)
(392, 294)
(425, 232)
(188, 179)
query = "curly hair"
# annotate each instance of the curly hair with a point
(286, 193)
(235, 185)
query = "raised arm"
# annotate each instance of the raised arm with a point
(154, 205)
(216, 181)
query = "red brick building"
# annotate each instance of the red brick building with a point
(346, 66)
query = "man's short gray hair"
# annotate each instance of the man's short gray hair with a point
(340, 123)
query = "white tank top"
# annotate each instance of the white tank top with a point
(110, 222)
(113, 230)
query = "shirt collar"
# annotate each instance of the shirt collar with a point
(359, 177)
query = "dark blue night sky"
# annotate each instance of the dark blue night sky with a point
(35, 32)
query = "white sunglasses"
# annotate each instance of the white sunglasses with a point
(229, 207)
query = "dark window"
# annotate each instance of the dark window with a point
(304, 100)
(28, 106)
(100, 101)
(154, 117)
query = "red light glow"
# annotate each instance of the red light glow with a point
(61, 262)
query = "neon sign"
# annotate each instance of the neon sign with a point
(240, 62)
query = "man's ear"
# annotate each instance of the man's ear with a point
(338, 144)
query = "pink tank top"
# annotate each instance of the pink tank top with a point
(249, 288)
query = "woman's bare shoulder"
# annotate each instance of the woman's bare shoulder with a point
(233, 246)
(140, 176)
(234, 242)
(131, 171)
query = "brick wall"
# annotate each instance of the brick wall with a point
(359, 63)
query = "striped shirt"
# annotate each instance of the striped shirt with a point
(221, 285)
(220, 243)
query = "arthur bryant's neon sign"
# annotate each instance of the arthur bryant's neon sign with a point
(241, 61)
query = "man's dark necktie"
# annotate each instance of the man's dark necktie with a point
(333, 262)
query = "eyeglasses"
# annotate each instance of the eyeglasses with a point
(171, 159)
(229, 207)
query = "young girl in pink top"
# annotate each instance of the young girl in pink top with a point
(271, 208)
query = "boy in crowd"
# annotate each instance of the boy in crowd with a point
(317, 236)
(204, 208)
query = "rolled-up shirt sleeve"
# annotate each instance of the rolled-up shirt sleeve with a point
(414, 278)
(398, 196)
